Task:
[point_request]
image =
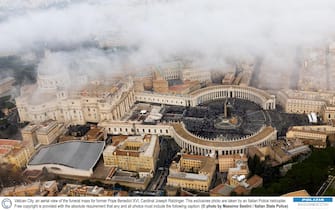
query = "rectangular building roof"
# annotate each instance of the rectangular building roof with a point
(75, 154)
(189, 176)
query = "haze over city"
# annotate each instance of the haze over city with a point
(212, 33)
(167, 97)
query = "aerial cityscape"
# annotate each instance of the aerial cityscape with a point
(166, 98)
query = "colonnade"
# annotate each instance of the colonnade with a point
(192, 143)
(199, 146)
(260, 97)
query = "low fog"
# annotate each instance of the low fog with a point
(210, 32)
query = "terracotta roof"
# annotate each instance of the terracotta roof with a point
(179, 87)
(240, 190)
(9, 142)
(196, 157)
(117, 139)
(4, 151)
(236, 156)
(94, 132)
(308, 131)
(256, 151)
(222, 189)
(255, 180)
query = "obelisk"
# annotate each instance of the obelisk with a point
(225, 109)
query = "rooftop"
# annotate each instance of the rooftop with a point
(322, 133)
(46, 126)
(82, 189)
(94, 133)
(4, 151)
(30, 128)
(207, 167)
(32, 174)
(39, 97)
(97, 90)
(234, 156)
(189, 176)
(186, 135)
(222, 189)
(308, 95)
(134, 146)
(194, 157)
(240, 190)
(75, 154)
(260, 92)
(254, 180)
(8, 142)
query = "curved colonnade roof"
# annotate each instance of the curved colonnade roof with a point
(218, 87)
(180, 130)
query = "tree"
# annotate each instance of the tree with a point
(308, 175)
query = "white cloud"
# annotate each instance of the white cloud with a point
(164, 28)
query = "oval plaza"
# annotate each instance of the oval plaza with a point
(194, 143)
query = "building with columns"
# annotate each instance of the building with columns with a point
(316, 136)
(43, 133)
(16, 152)
(229, 161)
(202, 146)
(190, 142)
(183, 70)
(304, 102)
(260, 97)
(106, 100)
